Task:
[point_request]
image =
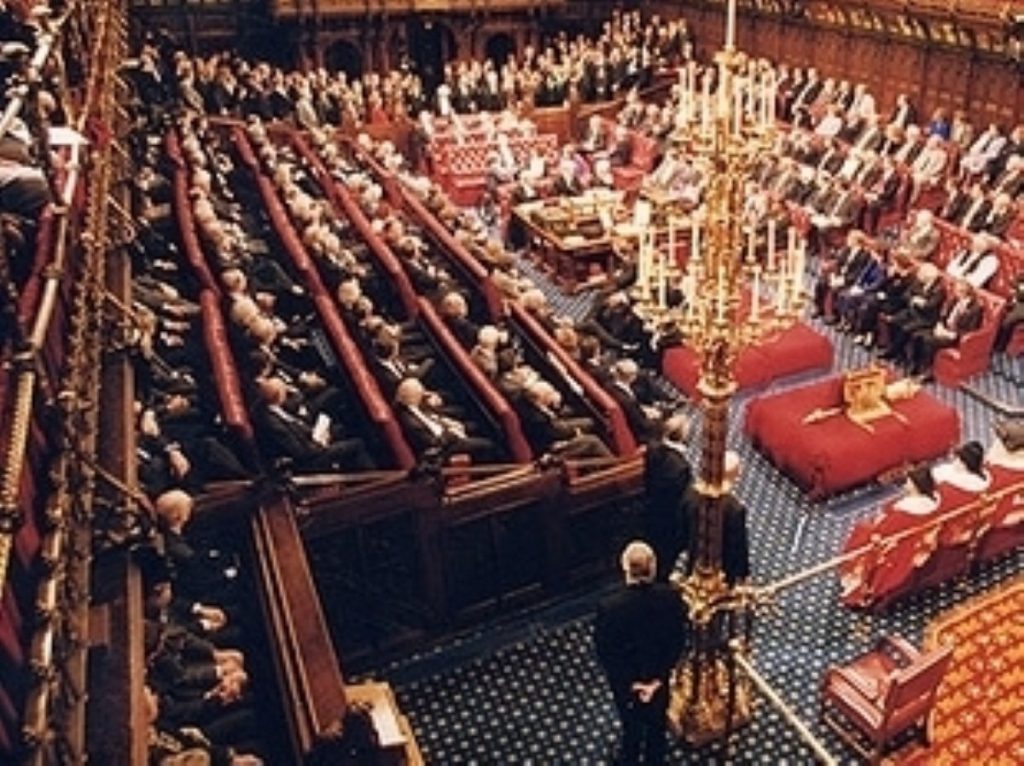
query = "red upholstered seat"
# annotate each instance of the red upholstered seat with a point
(1016, 345)
(225, 373)
(644, 153)
(972, 354)
(835, 453)
(1002, 527)
(883, 693)
(616, 429)
(797, 349)
(492, 400)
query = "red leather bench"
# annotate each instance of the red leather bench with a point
(377, 408)
(224, 371)
(343, 201)
(938, 547)
(461, 169)
(492, 400)
(616, 429)
(186, 225)
(972, 354)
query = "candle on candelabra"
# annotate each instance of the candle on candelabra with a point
(692, 68)
(690, 291)
(751, 243)
(771, 244)
(755, 296)
(662, 281)
(721, 293)
(705, 104)
(781, 289)
(791, 241)
(798, 270)
(730, 26)
(737, 105)
(672, 240)
(695, 241)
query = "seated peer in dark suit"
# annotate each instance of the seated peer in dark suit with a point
(1013, 316)
(889, 298)
(551, 434)
(976, 209)
(289, 435)
(961, 315)
(430, 431)
(999, 218)
(615, 324)
(667, 479)
(924, 302)
(841, 271)
(593, 360)
(642, 419)
(455, 312)
(639, 634)
(848, 300)
(182, 456)
(391, 366)
(880, 193)
(199, 574)
(169, 745)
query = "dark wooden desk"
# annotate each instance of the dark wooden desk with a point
(568, 241)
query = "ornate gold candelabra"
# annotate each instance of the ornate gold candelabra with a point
(736, 293)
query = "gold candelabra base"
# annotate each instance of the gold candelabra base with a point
(699, 707)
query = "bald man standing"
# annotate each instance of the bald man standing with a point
(640, 633)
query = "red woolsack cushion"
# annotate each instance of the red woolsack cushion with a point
(836, 454)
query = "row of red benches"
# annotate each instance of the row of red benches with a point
(375, 405)
(462, 169)
(593, 396)
(899, 554)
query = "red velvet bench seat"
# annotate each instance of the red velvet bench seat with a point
(835, 454)
(795, 350)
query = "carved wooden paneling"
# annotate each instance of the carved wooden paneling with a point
(879, 49)
(945, 80)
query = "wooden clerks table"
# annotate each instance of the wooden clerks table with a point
(571, 237)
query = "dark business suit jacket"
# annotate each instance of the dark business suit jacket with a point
(667, 478)
(639, 634)
(639, 423)
(735, 539)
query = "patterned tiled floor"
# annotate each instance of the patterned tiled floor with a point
(528, 689)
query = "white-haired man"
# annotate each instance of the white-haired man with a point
(639, 634)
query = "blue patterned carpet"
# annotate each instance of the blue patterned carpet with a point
(527, 688)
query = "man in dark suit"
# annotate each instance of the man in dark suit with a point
(840, 272)
(1013, 317)
(548, 432)
(639, 635)
(667, 479)
(311, 447)
(961, 315)
(642, 419)
(429, 431)
(735, 552)
(924, 304)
